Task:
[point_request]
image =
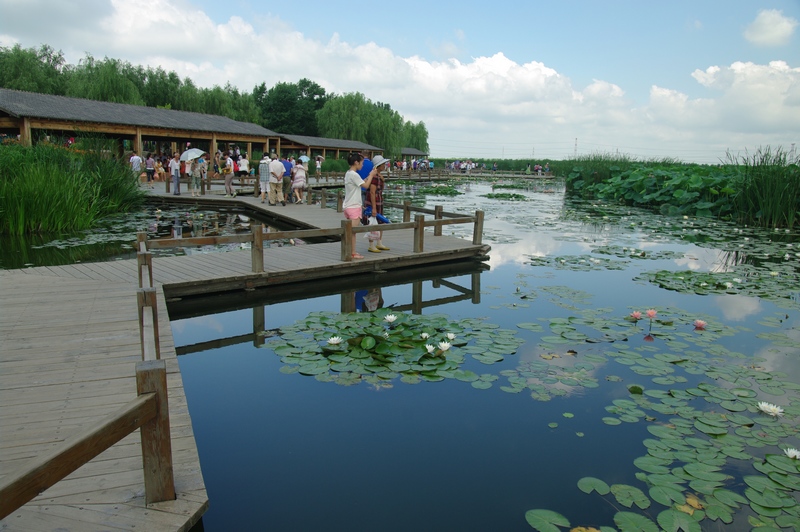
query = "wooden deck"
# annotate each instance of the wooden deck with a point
(70, 342)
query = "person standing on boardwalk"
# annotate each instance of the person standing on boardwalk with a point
(319, 166)
(276, 170)
(150, 168)
(375, 199)
(353, 205)
(299, 174)
(136, 165)
(263, 176)
(195, 171)
(227, 173)
(287, 179)
(175, 172)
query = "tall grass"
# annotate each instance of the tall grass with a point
(767, 184)
(47, 188)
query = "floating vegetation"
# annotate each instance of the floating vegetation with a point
(623, 252)
(578, 263)
(439, 190)
(381, 347)
(505, 196)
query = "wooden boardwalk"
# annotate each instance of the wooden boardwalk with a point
(70, 342)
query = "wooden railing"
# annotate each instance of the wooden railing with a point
(345, 233)
(149, 411)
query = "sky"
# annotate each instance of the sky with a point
(523, 79)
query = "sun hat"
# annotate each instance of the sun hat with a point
(379, 160)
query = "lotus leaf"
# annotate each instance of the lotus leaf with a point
(545, 520)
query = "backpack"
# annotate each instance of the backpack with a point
(235, 167)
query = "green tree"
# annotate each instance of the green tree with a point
(104, 80)
(415, 136)
(32, 70)
(291, 108)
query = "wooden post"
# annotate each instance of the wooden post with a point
(476, 288)
(419, 233)
(144, 258)
(323, 197)
(146, 297)
(25, 137)
(416, 297)
(348, 302)
(406, 211)
(339, 200)
(137, 141)
(309, 196)
(437, 229)
(257, 249)
(159, 483)
(259, 322)
(347, 240)
(477, 231)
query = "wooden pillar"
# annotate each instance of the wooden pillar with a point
(348, 302)
(259, 322)
(416, 297)
(437, 229)
(25, 131)
(347, 240)
(257, 249)
(148, 306)
(476, 288)
(419, 233)
(406, 211)
(137, 141)
(339, 200)
(212, 148)
(477, 231)
(159, 482)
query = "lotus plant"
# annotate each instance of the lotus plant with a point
(335, 340)
(444, 346)
(770, 409)
(390, 318)
(699, 325)
(792, 453)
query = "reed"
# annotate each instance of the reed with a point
(767, 184)
(49, 189)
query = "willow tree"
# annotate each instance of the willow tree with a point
(29, 69)
(415, 136)
(102, 80)
(345, 117)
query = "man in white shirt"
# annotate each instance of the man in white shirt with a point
(276, 170)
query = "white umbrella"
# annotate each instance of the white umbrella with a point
(190, 154)
(304, 158)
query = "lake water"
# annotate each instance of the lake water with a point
(291, 438)
(549, 389)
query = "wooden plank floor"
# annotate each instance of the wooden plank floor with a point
(70, 341)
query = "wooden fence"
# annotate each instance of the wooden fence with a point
(149, 411)
(346, 233)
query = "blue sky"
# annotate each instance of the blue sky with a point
(651, 79)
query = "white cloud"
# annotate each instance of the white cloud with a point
(770, 28)
(488, 106)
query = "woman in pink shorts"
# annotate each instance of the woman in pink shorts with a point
(352, 204)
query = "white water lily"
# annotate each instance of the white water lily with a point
(769, 408)
(335, 340)
(728, 285)
(386, 335)
(390, 318)
(451, 336)
(774, 274)
(792, 453)
(444, 346)
(429, 347)
(424, 336)
(737, 280)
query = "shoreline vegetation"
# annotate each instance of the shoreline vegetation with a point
(52, 189)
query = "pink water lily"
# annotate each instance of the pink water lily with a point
(651, 313)
(636, 315)
(649, 338)
(699, 325)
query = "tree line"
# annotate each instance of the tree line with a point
(302, 108)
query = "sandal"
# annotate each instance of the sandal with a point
(357, 256)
